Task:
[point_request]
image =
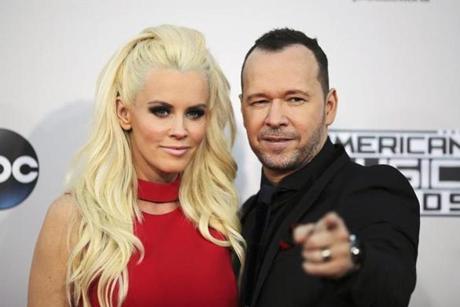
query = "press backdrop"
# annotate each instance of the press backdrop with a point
(395, 65)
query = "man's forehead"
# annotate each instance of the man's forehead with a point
(295, 61)
(296, 52)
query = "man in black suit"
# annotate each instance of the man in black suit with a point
(358, 238)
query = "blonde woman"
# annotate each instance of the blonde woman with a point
(150, 217)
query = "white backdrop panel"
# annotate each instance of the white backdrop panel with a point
(394, 64)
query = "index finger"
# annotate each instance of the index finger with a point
(330, 221)
(301, 233)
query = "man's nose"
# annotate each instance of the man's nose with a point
(276, 117)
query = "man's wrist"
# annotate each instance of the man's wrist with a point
(356, 251)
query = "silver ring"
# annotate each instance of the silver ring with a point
(326, 254)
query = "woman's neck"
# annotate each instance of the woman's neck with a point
(158, 198)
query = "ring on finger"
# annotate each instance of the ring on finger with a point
(326, 254)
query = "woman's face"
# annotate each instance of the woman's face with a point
(167, 122)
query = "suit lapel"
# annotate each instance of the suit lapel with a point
(247, 207)
(297, 212)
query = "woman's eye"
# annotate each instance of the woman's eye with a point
(160, 111)
(195, 113)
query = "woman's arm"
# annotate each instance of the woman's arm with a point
(49, 263)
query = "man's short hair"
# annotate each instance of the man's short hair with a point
(278, 39)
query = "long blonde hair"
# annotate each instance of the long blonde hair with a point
(103, 180)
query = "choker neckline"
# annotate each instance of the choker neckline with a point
(158, 192)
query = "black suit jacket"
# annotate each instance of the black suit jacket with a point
(379, 206)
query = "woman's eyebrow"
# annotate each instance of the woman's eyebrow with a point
(160, 102)
(200, 105)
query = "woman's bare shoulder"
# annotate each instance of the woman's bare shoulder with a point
(63, 207)
(61, 215)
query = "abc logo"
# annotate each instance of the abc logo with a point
(18, 169)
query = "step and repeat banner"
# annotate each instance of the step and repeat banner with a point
(394, 64)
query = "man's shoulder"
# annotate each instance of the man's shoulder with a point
(376, 175)
(371, 174)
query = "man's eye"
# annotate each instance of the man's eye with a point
(160, 111)
(195, 113)
(296, 99)
(259, 102)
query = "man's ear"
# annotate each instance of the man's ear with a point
(124, 115)
(331, 106)
(243, 113)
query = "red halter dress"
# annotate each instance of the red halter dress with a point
(180, 267)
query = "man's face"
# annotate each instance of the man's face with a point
(284, 109)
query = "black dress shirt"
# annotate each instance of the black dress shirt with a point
(275, 201)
